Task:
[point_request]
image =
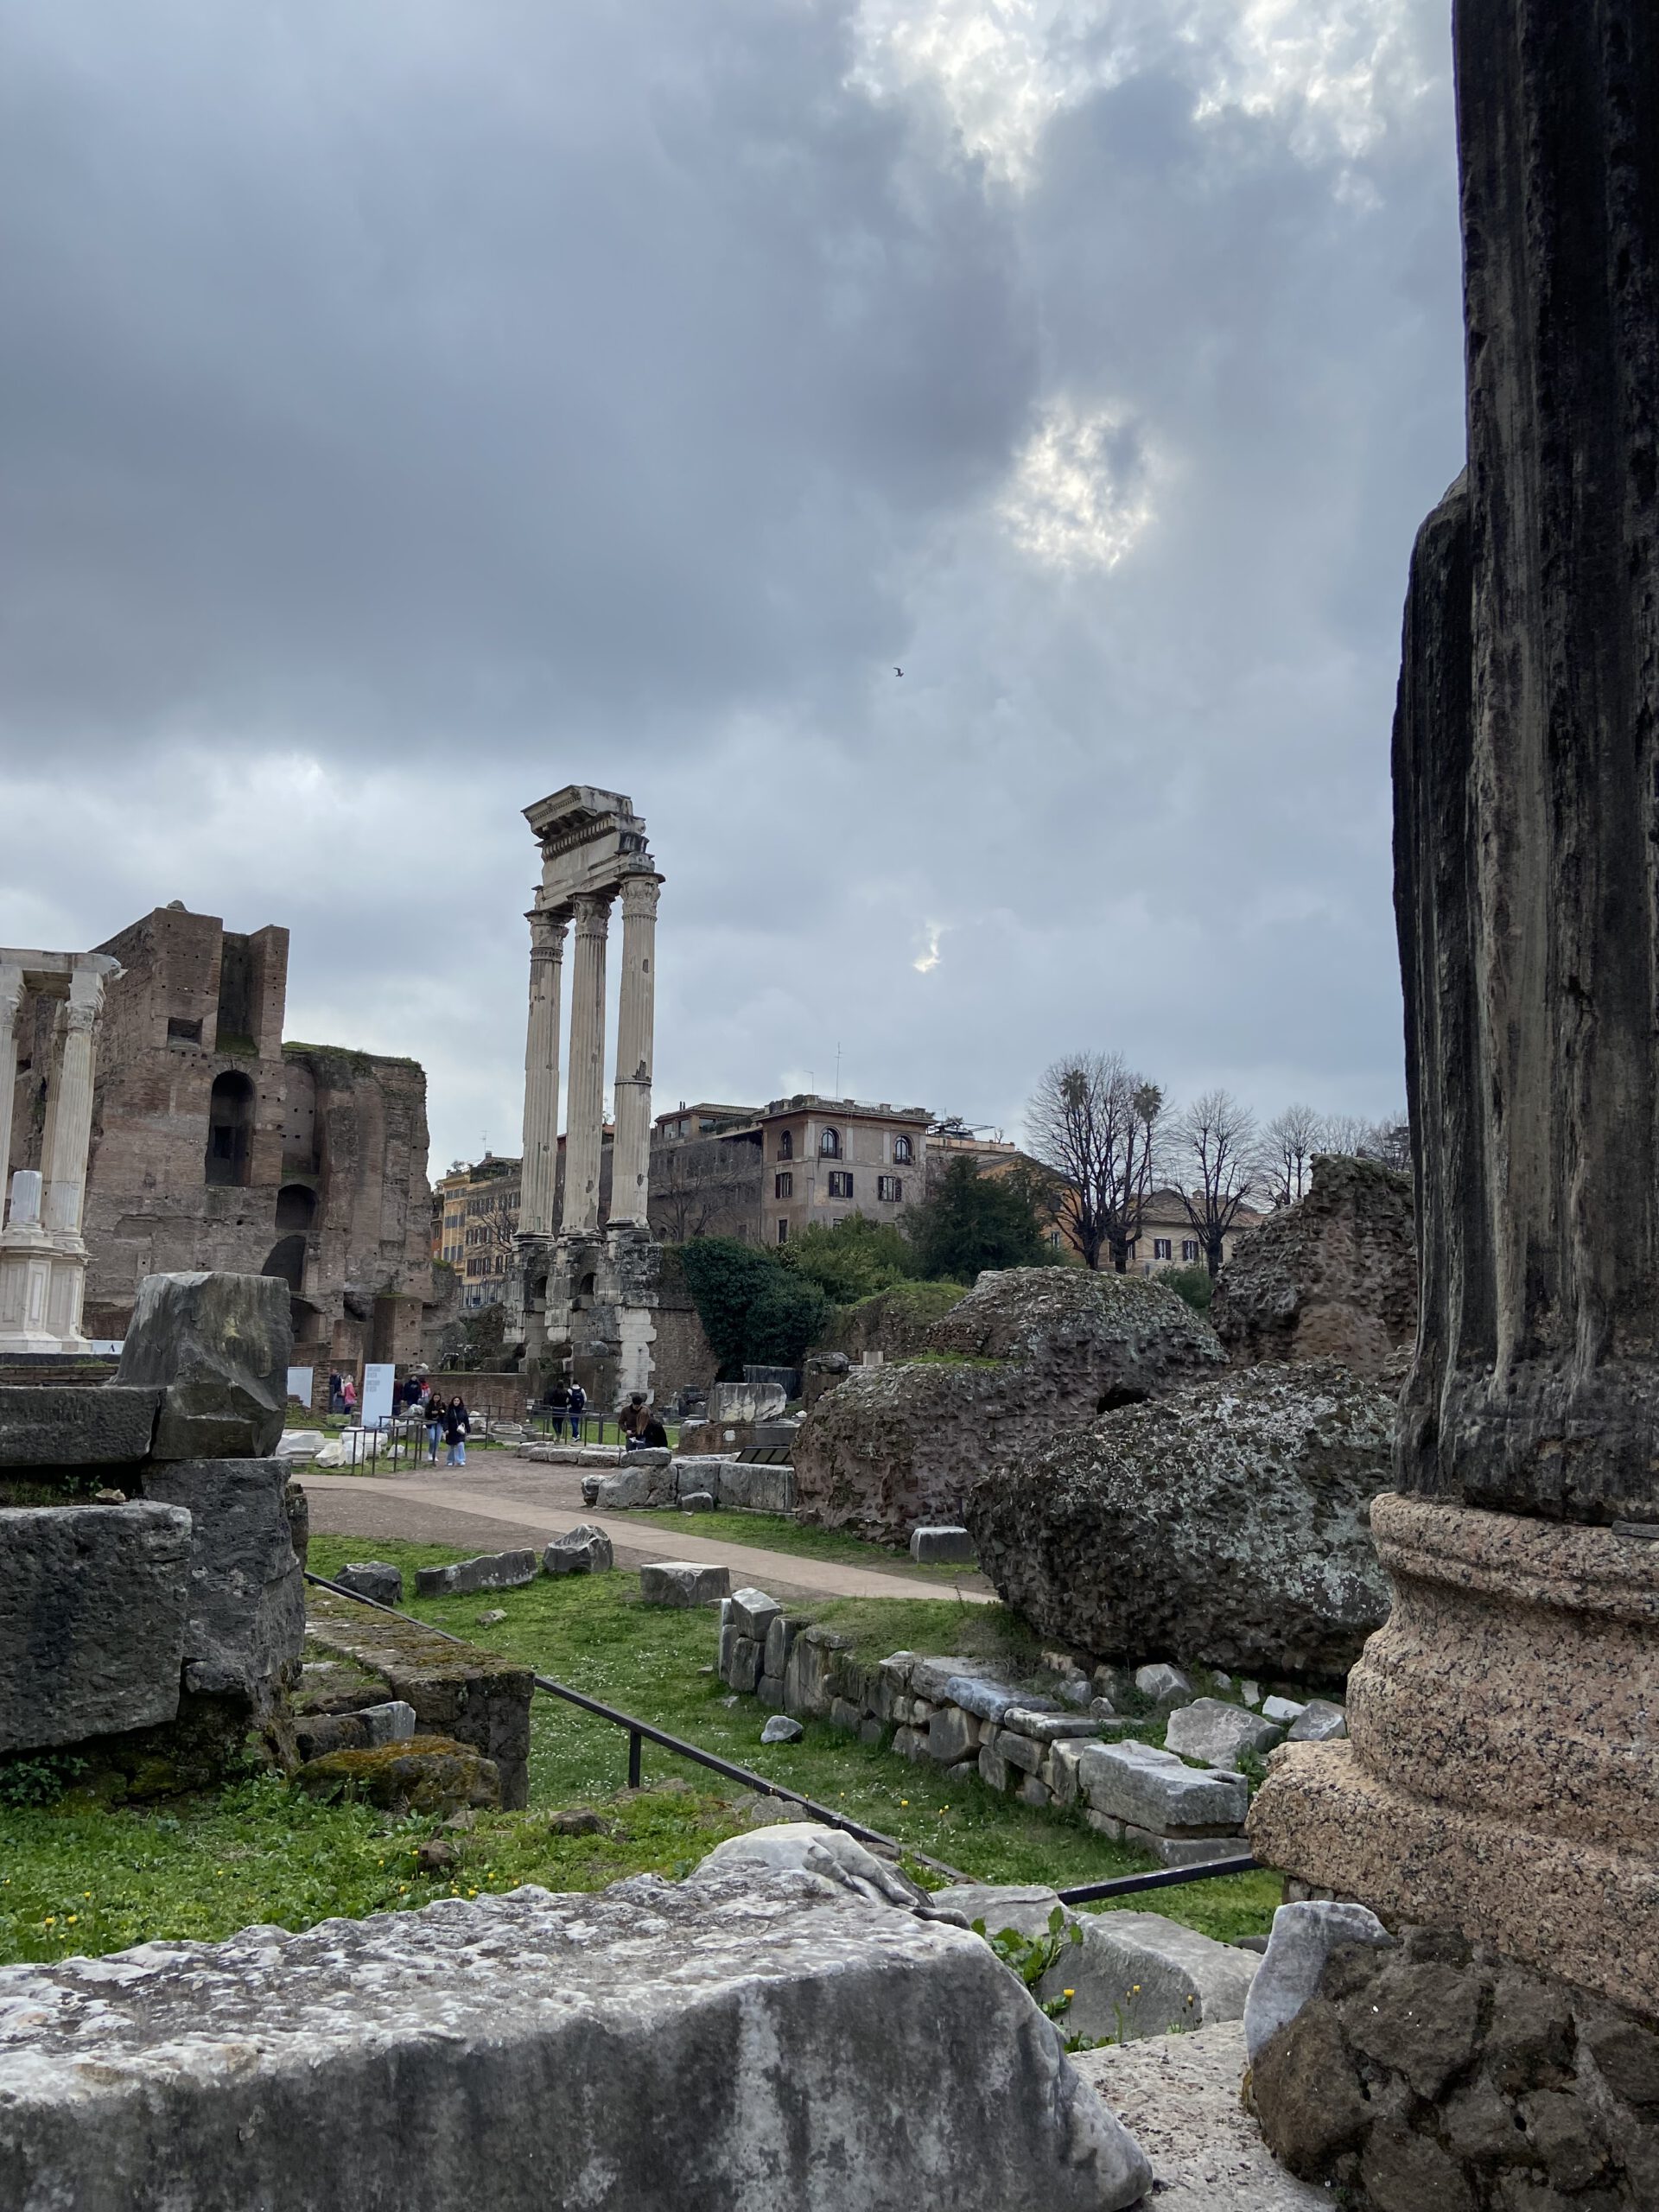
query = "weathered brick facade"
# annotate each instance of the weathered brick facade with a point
(216, 1146)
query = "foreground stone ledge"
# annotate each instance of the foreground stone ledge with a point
(746, 2044)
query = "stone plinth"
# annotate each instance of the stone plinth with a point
(1502, 1775)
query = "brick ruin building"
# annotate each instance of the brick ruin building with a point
(215, 1145)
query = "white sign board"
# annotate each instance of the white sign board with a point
(300, 1382)
(378, 1377)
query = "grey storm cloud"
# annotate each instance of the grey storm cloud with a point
(403, 412)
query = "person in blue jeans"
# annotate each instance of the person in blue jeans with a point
(436, 1424)
(456, 1426)
(578, 1406)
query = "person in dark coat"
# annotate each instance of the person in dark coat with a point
(456, 1426)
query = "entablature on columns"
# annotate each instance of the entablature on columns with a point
(591, 840)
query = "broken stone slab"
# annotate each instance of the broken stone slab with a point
(684, 1583)
(218, 1344)
(371, 1578)
(753, 1612)
(1139, 1973)
(930, 1678)
(780, 1637)
(953, 1735)
(994, 1700)
(366, 1730)
(742, 1671)
(300, 1443)
(43, 1425)
(646, 1480)
(1149, 1788)
(1282, 1709)
(1303, 1938)
(1019, 1751)
(246, 1625)
(1162, 1683)
(489, 1571)
(1048, 1727)
(757, 1489)
(913, 2054)
(809, 1673)
(584, 1549)
(1319, 1722)
(94, 1605)
(1025, 1907)
(1212, 1729)
(780, 1729)
(942, 1547)
(698, 1501)
(1186, 1850)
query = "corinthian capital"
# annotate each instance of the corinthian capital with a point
(593, 914)
(639, 896)
(547, 932)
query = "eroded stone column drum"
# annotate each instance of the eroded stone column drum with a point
(541, 1161)
(631, 1160)
(585, 1120)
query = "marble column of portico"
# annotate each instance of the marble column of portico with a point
(539, 1199)
(11, 1005)
(585, 1113)
(70, 1125)
(631, 1151)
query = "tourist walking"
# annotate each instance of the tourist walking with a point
(456, 1426)
(336, 1403)
(557, 1403)
(347, 1397)
(578, 1407)
(436, 1422)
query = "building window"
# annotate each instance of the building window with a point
(783, 1232)
(1189, 1249)
(786, 1145)
(830, 1144)
(180, 1032)
(230, 1129)
(840, 1184)
(783, 1186)
(890, 1188)
(901, 1150)
(1160, 1247)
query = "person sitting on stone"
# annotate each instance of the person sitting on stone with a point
(653, 1437)
(456, 1426)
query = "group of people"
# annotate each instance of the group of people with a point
(641, 1428)
(448, 1425)
(342, 1394)
(566, 1401)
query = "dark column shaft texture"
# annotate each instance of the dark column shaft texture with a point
(1526, 763)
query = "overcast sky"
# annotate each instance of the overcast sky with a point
(410, 406)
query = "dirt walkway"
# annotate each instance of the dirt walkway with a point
(501, 1501)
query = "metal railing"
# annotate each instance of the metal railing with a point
(641, 1733)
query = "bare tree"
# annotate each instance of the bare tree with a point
(1093, 1123)
(1389, 1141)
(1214, 1145)
(1347, 1134)
(1288, 1144)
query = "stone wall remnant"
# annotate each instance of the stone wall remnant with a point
(1333, 1277)
(1028, 1353)
(599, 2023)
(1227, 1524)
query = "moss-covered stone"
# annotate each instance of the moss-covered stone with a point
(427, 1773)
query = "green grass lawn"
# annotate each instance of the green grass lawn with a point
(76, 1877)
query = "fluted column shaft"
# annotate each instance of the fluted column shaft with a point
(71, 1126)
(585, 1120)
(538, 1200)
(631, 1152)
(11, 1005)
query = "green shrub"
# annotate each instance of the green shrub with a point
(852, 1260)
(1193, 1284)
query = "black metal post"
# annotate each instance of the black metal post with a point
(634, 1749)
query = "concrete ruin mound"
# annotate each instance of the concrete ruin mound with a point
(1028, 1351)
(1227, 1524)
(1333, 1277)
(748, 2042)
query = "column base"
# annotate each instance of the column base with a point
(1502, 1779)
(42, 1281)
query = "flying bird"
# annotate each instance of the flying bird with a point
(897, 671)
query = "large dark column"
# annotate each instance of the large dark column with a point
(1526, 792)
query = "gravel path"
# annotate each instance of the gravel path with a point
(501, 1501)
(1177, 2095)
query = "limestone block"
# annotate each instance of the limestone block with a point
(757, 1489)
(584, 1549)
(698, 1475)
(845, 1715)
(1163, 1684)
(741, 1404)
(780, 1637)
(1061, 1770)
(994, 1769)
(1212, 1730)
(301, 1443)
(1019, 1751)
(1319, 1722)
(951, 1546)
(807, 1685)
(371, 1578)
(44, 1425)
(1048, 1728)
(993, 1700)
(930, 1678)
(892, 1687)
(727, 1649)
(93, 1602)
(646, 1479)
(952, 1734)
(1303, 1938)
(489, 1571)
(770, 1690)
(683, 1584)
(246, 1626)
(1186, 1850)
(366, 1730)
(698, 1501)
(1026, 1907)
(1140, 1974)
(1032, 1790)
(910, 1744)
(754, 1612)
(780, 1729)
(1137, 1782)
(744, 1670)
(218, 1345)
(427, 1773)
(1285, 1709)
